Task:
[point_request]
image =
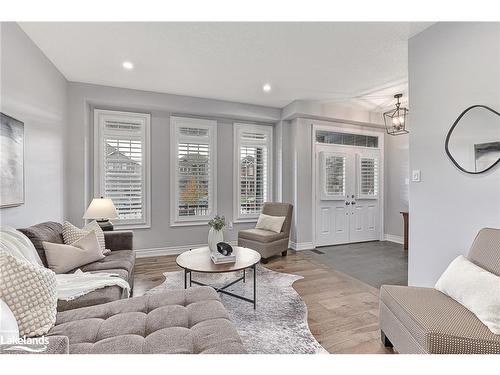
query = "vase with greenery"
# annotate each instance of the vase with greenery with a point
(215, 234)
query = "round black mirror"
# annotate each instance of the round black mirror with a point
(473, 141)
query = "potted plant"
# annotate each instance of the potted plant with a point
(215, 234)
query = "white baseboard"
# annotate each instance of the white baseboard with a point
(169, 250)
(392, 238)
(176, 250)
(297, 246)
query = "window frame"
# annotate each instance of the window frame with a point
(238, 128)
(177, 122)
(100, 115)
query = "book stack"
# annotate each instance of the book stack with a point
(218, 258)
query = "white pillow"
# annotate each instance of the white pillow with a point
(72, 234)
(475, 288)
(9, 331)
(30, 292)
(272, 223)
(62, 258)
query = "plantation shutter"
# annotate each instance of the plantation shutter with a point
(122, 158)
(333, 170)
(193, 169)
(368, 177)
(335, 175)
(253, 155)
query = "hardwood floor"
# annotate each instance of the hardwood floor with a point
(342, 311)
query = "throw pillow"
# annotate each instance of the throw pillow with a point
(474, 288)
(30, 292)
(17, 244)
(272, 223)
(62, 258)
(72, 234)
(9, 331)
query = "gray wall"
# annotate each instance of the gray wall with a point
(451, 66)
(34, 92)
(396, 164)
(79, 168)
(297, 178)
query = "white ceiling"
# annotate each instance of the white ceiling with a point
(360, 62)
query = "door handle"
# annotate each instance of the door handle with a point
(353, 202)
(347, 203)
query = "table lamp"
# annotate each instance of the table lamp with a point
(101, 210)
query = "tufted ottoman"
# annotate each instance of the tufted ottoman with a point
(177, 322)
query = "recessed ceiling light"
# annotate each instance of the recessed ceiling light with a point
(127, 65)
(266, 87)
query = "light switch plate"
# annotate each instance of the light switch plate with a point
(230, 225)
(415, 175)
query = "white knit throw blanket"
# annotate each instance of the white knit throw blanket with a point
(69, 286)
(74, 285)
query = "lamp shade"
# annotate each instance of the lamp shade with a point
(101, 208)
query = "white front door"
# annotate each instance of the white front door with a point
(347, 196)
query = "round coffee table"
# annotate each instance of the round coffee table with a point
(198, 260)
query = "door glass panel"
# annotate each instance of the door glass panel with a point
(368, 181)
(335, 175)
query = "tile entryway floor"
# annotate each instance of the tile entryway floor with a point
(375, 263)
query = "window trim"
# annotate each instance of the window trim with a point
(98, 188)
(238, 128)
(175, 123)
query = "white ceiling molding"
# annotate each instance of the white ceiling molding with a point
(331, 112)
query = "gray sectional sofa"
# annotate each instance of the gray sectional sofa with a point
(191, 321)
(121, 261)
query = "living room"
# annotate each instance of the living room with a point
(238, 188)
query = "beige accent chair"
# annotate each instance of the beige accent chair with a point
(424, 320)
(269, 243)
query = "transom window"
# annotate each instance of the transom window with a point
(360, 140)
(253, 171)
(193, 176)
(121, 164)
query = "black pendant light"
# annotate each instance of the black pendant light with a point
(395, 119)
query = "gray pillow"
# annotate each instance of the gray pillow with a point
(62, 258)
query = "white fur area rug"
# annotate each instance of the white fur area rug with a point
(277, 326)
